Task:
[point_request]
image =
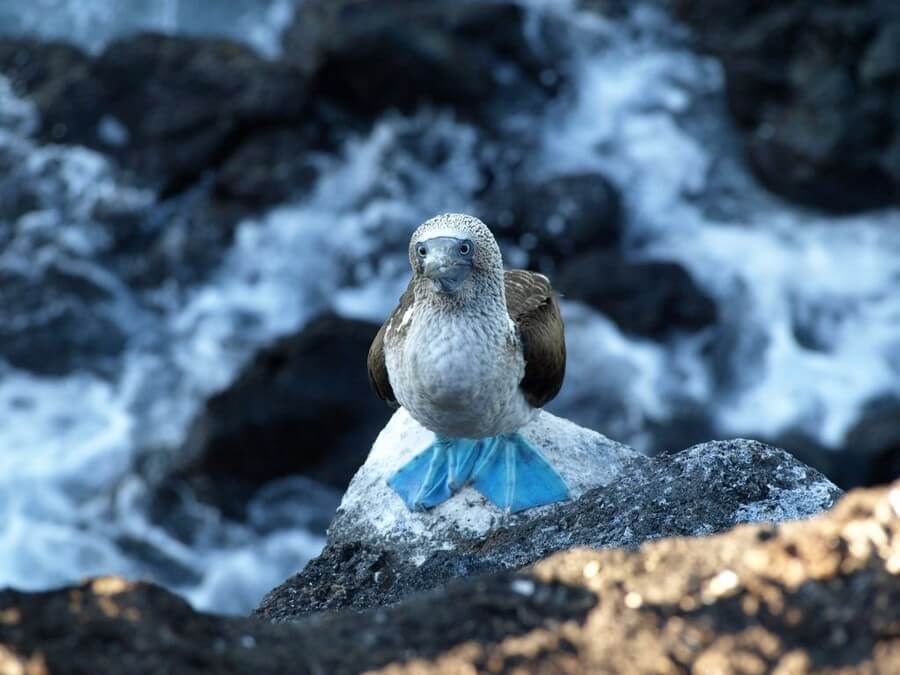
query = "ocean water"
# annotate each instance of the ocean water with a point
(646, 111)
(95, 23)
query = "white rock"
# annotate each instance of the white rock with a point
(372, 511)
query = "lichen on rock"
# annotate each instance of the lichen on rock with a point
(378, 552)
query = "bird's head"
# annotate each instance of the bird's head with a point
(453, 255)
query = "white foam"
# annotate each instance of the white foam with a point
(93, 24)
(762, 260)
(646, 112)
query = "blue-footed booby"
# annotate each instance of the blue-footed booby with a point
(472, 352)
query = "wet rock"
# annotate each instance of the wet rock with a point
(179, 240)
(196, 99)
(875, 440)
(18, 194)
(39, 67)
(368, 57)
(269, 167)
(814, 87)
(303, 406)
(559, 218)
(651, 297)
(168, 107)
(810, 596)
(55, 320)
(846, 469)
(378, 552)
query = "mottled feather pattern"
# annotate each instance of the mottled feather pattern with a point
(476, 363)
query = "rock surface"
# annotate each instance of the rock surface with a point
(303, 406)
(378, 552)
(555, 219)
(649, 297)
(468, 55)
(876, 437)
(195, 98)
(816, 596)
(372, 512)
(57, 320)
(814, 86)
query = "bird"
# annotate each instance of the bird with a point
(473, 353)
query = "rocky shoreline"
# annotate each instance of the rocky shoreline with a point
(811, 596)
(702, 490)
(728, 556)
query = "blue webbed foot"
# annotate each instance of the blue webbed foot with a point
(506, 469)
(515, 476)
(436, 473)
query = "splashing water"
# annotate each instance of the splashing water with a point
(94, 24)
(808, 302)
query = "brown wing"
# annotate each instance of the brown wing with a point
(532, 305)
(378, 372)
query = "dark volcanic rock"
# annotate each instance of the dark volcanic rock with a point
(650, 297)
(194, 100)
(168, 107)
(269, 167)
(705, 489)
(869, 454)
(303, 406)
(559, 218)
(41, 68)
(847, 470)
(146, 629)
(876, 439)
(371, 56)
(816, 88)
(54, 320)
(805, 597)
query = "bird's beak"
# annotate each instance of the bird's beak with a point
(447, 269)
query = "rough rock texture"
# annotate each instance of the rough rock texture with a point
(816, 596)
(378, 553)
(303, 406)
(651, 297)
(372, 512)
(869, 454)
(816, 88)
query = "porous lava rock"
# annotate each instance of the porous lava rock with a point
(814, 596)
(378, 552)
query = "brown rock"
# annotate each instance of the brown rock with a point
(816, 596)
(819, 596)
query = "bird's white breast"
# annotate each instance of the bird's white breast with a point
(458, 372)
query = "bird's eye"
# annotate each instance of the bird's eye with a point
(465, 248)
(421, 250)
